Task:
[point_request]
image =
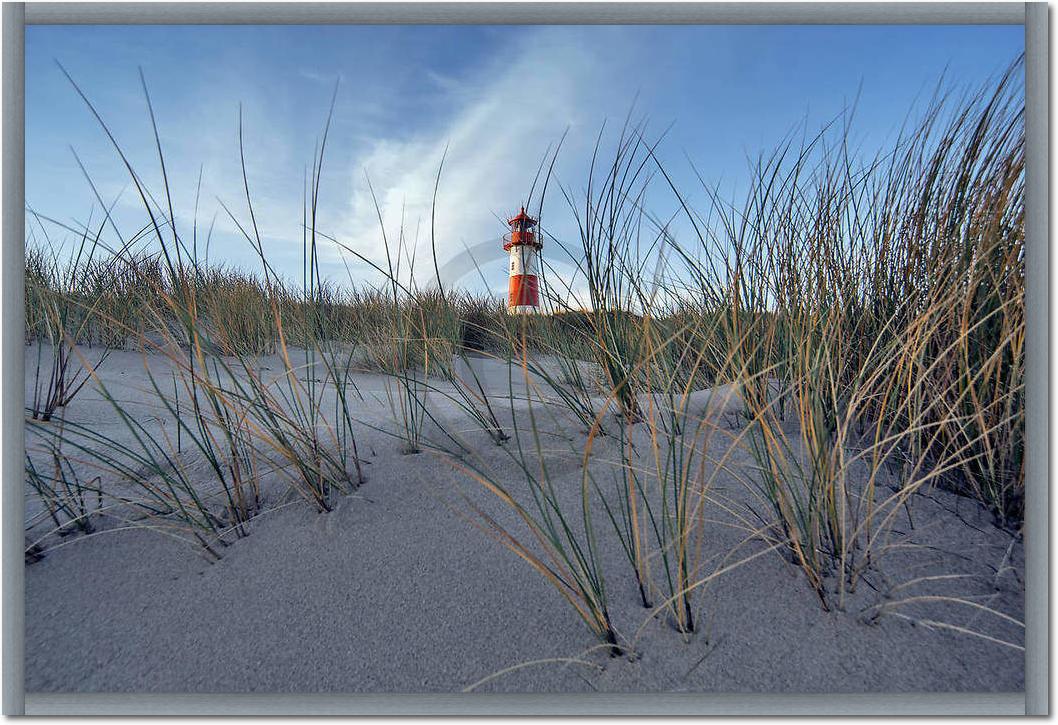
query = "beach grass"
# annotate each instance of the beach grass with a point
(864, 318)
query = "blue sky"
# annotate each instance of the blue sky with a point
(495, 96)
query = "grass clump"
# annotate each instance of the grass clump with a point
(865, 317)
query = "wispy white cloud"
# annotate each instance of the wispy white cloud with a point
(492, 146)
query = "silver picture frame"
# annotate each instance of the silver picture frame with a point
(1033, 15)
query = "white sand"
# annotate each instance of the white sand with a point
(395, 591)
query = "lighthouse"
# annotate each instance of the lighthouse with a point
(523, 290)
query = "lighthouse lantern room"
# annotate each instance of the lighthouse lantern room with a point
(523, 290)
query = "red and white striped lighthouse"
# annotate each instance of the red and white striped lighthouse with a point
(523, 291)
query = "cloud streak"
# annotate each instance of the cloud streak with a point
(492, 147)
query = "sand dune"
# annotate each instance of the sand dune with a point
(396, 589)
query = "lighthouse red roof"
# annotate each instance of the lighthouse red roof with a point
(522, 217)
(521, 232)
